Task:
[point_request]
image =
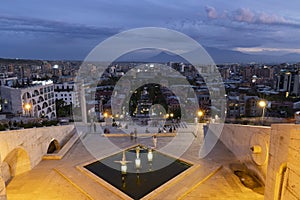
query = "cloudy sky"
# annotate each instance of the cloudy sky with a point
(71, 29)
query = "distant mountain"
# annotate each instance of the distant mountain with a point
(150, 55)
(230, 56)
(164, 57)
(219, 56)
(137, 56)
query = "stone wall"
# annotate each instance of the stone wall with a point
(241, 138)
(292, 179)
(2, 185)
(283, 177)
(275, 155)
(21, 150)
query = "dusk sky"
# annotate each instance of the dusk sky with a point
(71, 29)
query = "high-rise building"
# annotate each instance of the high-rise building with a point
(288, 82)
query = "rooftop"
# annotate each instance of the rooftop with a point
(210, 178)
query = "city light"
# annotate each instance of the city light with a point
(200, 113)
(27, 106)
(262, 103)
(105, 115)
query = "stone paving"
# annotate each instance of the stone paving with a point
(210, 178)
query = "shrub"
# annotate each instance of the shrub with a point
(2, 127)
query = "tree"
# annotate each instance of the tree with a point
(62, 109)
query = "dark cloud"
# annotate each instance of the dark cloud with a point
(40, 26)
(241, 28)
(59, 29)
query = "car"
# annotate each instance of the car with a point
(64, 122)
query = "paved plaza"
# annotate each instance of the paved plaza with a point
(209, 178)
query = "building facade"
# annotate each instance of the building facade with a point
(36, 100)
(66, 92)
(289, 82)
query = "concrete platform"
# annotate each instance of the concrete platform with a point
(211, 178)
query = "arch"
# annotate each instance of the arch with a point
(26, 95)
(45, 105)
(53, 115)
(39, 107)
(36, 92)
(49, 110)
(17, 162)
(42, 114)
(35, 111)
(41, 99)
(53, 147)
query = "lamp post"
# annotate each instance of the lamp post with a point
(262, 104)
(200, 114)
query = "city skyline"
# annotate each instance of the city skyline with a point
(59, 30)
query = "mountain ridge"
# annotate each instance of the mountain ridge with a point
(220, 56)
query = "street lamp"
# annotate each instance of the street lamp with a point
(262, 104)
(27, 107)
(105, 114)
(200, 113)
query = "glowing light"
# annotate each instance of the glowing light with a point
(27, 106)
(200, 113)
(124, 169)
(150, 155)
(137, 163)
(262, 103)
(105, 115)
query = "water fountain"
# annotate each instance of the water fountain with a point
(142, 170)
